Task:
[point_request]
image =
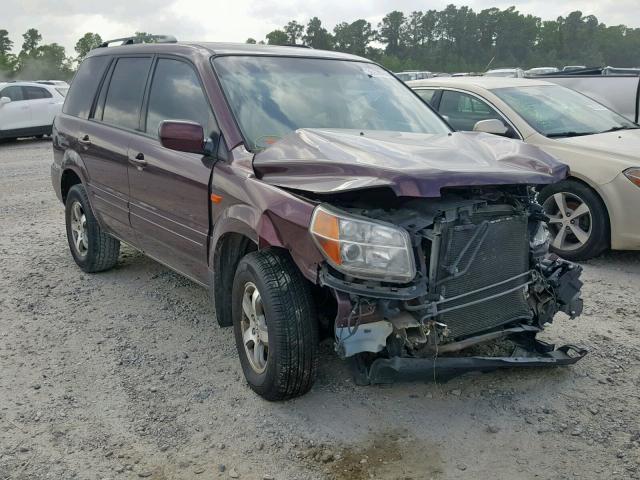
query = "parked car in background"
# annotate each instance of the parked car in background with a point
(28, 108)
(570, 68)
(413, 75)
(314, 195)
(505, 72)
(61, 86)
(620, 92)
(540, 71)
(597, 206)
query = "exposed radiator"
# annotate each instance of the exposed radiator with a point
(491, 249)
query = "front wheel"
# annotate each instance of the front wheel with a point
(578, 220)
(275, 325)
(92, 249)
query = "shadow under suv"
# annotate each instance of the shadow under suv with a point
(314, 195)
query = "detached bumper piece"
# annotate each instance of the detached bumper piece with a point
(442, 369)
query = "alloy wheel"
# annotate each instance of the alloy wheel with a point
(570, 221)
(79, 231)
(255, 335)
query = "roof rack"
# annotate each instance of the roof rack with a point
(135, 39)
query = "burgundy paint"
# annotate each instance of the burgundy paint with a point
(411, 164)
(182, 136)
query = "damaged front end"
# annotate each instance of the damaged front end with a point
(476, 268)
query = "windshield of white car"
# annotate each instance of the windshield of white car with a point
(557, 112)
(273, 96)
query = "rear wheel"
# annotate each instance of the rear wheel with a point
(578, 220)
(275, 325)
(92, 249)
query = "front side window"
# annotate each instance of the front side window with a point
(176, 94)
(556, 111)
(84, 85)
(272, 96)
(14, 92)
(36, 93)
(464, 110)
(124, 95)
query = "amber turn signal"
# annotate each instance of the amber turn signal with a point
(326, 227)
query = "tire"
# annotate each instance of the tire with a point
(289, 318)
(39, 137)
(573, 244)
(97, 251)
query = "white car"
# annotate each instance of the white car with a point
(505, 72)
(28, 108)
(597, 207)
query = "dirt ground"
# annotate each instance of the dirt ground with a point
(126, 374)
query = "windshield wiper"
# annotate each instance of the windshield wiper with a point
(622, 127)
(569, 134)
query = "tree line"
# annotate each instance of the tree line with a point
(38, 61)
(454, 39)
(458, 39)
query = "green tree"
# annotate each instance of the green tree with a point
(277, 37)
(251, 41)
(5, 43)
(294, 31)
(31, 42)
(88, 42)
(353, 37)
(316, 36)
(390, 32)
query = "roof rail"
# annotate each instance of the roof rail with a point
(136, 39)
(298, 45)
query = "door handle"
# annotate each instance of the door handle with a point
(85, 140)
(138, 161)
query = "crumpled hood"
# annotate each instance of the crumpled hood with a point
(412, 164)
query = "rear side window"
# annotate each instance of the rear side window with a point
(14, 93)
(426, 95)
(124, 96)
(36, 93)
(84, 85)
(176, 94)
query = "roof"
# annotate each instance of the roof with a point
(483, 82)
(223, 48)
(25, 84)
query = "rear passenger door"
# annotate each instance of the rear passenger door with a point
(40, 102)
(104, 141)
(170, 189)
(15, 114)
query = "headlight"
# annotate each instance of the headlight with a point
(363, 248)
(540, 237)
(633, 174)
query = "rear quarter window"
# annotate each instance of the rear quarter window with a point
(84, 85)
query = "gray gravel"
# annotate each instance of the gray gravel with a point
(125, 374)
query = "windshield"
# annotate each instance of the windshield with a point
(556, 111)
(272, 96)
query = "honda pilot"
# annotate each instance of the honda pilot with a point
(315, 196)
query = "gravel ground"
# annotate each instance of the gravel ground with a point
(126, 374)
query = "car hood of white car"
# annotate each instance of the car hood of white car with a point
(623, 144)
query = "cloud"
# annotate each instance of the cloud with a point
(64, 21)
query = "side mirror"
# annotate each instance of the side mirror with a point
(493, 125)
(182, 136)
(4, 100)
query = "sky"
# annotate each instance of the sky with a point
(64, 21)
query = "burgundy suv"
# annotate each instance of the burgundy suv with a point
(314, 195)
